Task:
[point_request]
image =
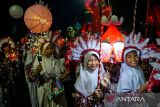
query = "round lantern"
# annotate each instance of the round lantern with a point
(38, 18)
(16, 11)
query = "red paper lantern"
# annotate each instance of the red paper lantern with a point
(38, 18)
(61, 42)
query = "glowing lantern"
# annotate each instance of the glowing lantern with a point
(112, 43)
(106, 51)
(117, 50)
(38, 18)
(112, 35)
(13, 56)
(60, 42)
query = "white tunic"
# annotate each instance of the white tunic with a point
(130, 78)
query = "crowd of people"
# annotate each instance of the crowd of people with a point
(45, 78)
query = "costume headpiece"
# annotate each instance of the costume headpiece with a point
(155, 54)
(7, 40)
(135, 42)
(84, 46)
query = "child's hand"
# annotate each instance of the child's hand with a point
(63, 76)
(106, 79)
(143, 87)
(108, 76)
(39, 68)
(98, 93)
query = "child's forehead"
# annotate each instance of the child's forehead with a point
(132, 52)
(93, 55)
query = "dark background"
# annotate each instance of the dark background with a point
(66, 12)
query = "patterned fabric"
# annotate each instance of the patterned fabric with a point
(89, 101)
(48, 85)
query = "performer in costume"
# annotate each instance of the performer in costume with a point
(8, 71)
(131, 75)
(92, 80)
(12, 83)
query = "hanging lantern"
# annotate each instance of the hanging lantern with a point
(16, 11)
(38, 18)
(115, 44)
(60, 42)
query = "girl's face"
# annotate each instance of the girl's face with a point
(93, 62)
(6, 49)
(48, 51)
(132, 59)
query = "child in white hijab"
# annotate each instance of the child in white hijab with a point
(46, 71)
(131, 75)
(92, 79)
(131, 78)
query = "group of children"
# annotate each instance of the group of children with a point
(44, 73)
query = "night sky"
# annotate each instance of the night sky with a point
(66, 12)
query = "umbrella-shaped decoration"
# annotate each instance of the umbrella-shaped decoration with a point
(38, 18)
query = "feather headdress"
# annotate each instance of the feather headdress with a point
(135, 42)
(84, 46)
(155, 54)
(155, 74)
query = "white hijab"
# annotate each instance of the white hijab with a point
(47, 63)
(86, 82)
